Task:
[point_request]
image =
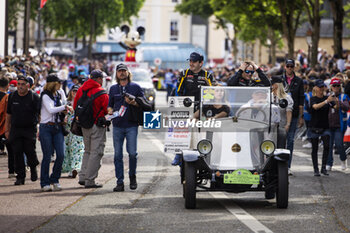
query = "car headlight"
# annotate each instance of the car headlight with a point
(204, 146)
(267, 147)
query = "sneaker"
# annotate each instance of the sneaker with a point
(324, 172)
(307, 145)
(303, 139)
(317, 173)
(95, 186)
(133, 183)
(289, 172)
(176, 160)
(56, 187)
(119, 188)
(11, 175)
(74, 173)
(46, 188)
(343, 165)
(328, 167)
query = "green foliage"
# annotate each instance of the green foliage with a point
(197, 7)
(347, 15)
(16, 7)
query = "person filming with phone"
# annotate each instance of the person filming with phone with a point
(244, 76)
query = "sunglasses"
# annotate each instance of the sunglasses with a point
(290, 66)
(336, 85)
(249, 71)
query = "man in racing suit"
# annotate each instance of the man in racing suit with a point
(244, 75)
(190, 82)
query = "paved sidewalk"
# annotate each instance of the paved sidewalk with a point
(24, 208)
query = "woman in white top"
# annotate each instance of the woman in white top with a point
(278, 94)
(51, 132)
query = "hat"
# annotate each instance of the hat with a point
(96, 74)
(30, 80)
(290, 62)
(71, 66)
(319, 83)
(52, 78)
(335, 81)
(20, 77)
(195, 57)
(74, 88)
(121, 66)
(13, 83)
(276, 79)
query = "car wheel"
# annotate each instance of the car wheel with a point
(190, 186)
(282, 185)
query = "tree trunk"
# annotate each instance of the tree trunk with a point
(26, 28)
(234, 44)
(338, 16)
(92, 32)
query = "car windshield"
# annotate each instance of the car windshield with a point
(139, 75)
(251, 103)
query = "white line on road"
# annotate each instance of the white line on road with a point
(243, 216)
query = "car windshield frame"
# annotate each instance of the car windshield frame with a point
(240, 100)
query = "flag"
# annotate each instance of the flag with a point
(42, 3)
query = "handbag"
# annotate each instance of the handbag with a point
(317, 130)
(136, 113)
(75, 128)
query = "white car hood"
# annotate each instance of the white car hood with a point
(146, 85)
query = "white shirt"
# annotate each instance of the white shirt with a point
(48, 110)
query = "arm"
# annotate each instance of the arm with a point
(50, 105)
(221, 115)
(289, 120)
(7, 125)
(323, 103)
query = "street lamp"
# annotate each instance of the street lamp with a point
(309, 43)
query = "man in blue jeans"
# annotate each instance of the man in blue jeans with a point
(121, 97)
(294, 86)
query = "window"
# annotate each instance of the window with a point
(174, 32)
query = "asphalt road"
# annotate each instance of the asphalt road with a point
(316, 204)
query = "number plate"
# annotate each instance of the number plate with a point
(241, 176)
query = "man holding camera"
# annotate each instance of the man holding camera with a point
(244, 75)
(95, 137)
(121, 99)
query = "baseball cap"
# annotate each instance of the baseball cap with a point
(335, 81)
(276, 79)
(30, 80)
(13, 83)
(195, 57)
(121, 66)
(319, 83)
(96, 74)
(290, 62)
(74, 88)
(20, 77)
(52, 78)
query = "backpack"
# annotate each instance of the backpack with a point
(84, 109)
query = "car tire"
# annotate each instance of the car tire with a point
(190, 186)
(282, 185)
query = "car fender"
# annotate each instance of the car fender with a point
(281, 154)
(190, 155)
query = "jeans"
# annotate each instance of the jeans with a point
(119, 134)
(314, 142)
(51, 138)
(290, 138)
(336, 137)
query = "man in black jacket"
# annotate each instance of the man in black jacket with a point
(293, 86)
(244, 75)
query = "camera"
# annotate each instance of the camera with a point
(130, 97)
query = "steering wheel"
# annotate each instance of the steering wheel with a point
(239, 112)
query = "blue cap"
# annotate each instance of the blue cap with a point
(195, 57)
(319, 83)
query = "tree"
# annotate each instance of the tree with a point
(312, 8)
(338, 17)
(80, 18)
(290, 13)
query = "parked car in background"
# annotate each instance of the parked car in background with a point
(144, 78)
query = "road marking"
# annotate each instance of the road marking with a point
(243, 216)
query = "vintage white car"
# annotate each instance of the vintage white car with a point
(237, 152)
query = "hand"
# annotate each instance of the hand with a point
(254, 65)
(110, 110)
(331, 98)
(243, 66)
(286, 128)
(129, 101)
(69, 108)
(7, 134)
(301, 122)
